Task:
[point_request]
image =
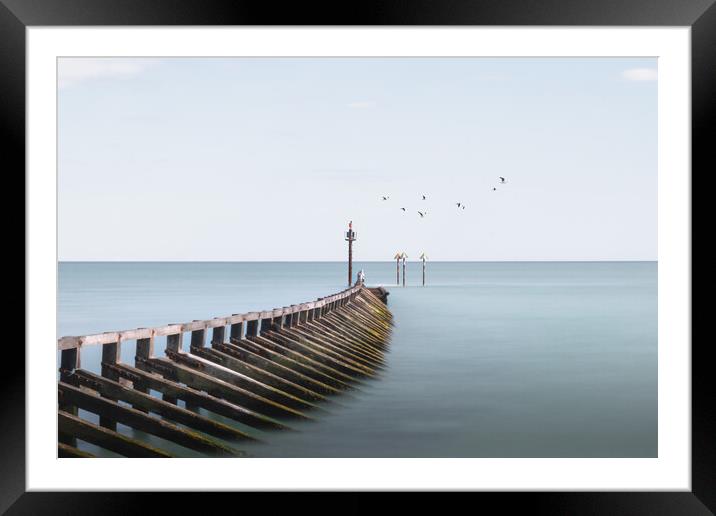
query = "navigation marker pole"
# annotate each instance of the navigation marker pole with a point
(350, 237)
(397, 267)
(423, 257)
(403, 257)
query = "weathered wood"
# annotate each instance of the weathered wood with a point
(236, 331)
(222, 389)
(329, 359)
(292, 374)
(140, 421)
(241, 380)
(110, 356)
(259, 374)
(336, 345)
(145, 348)
(270, 341)
(200, 399)
(71, 425)
(114, 390)
(65, 451)
(174, 342)
(252, 328)
(198, 337)
(69, 361)
(217, 334)
(72, 342)
(286, 360)
(265, 348)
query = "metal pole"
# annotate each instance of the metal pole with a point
(423, 272)
(397, 271)
(403, 271)
(350, 262)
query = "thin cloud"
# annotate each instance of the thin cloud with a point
(640, 74)
(363, 104)
(75, 70)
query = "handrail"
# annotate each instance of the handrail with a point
(72, 342)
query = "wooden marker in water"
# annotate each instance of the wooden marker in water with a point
(397, 258)
(423, 257)
(350, 237)
(403, 256)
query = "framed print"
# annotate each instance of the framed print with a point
(415, 249)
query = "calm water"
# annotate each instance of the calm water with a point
(548, 359)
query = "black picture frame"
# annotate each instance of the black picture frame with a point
(700, 15)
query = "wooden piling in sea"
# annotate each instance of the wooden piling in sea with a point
(261, 370)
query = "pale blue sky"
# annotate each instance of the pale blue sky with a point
(268, 159)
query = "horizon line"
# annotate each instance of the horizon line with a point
(363, 261)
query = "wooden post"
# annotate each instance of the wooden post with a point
(266, 321)
(198, 337)
(145, 351)
(236, 330)
(174, 343)
(217, 335)
(252, 328)
(110, 357)
(69, 361)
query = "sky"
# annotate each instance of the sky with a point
(245, 159)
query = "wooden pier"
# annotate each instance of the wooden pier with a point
(258, 371)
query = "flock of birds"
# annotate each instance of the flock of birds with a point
(460, 205)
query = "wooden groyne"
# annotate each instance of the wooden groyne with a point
(258, 371)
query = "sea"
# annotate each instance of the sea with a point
(487, 359)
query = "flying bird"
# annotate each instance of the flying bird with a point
(385, 198)
(502, 179)
(458, 204)
(422, 214)
(424, 197)
(494, 189)
(402, 209)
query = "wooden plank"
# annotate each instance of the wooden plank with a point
(65, 451)
(248, 357)
(200, 399)
(241, 380)
(71, 425)
(259, 374)
(140, 421)
(115, 390)
(335, 344)
(269, 341)
(219, 388)
(324, 349)
(263, 348)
